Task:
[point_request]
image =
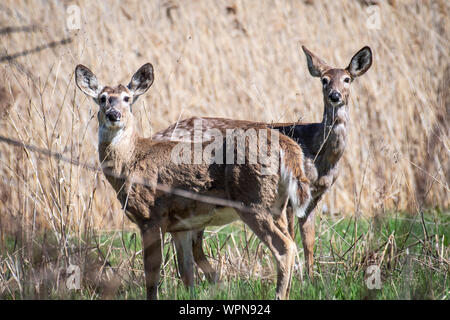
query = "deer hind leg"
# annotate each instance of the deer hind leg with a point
(280, 244)
(287, 217)
(183, 244)
(307, 230)
(200, 258)
(152, 243)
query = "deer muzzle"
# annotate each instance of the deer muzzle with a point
(335, 96)
(113, 115)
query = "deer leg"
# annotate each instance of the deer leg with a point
(291, 222)
(280, 244)
(152, 243)
(307, 230)
(286, 222)
(200, 258)
(289, 214)
(183, 244)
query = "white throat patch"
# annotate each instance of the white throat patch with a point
(112, 137)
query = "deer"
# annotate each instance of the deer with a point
(161, 194)
(322, 143)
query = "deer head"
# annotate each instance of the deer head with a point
(335, 81)
(115, 103)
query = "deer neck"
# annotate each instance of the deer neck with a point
(116, 148)
(333, 134)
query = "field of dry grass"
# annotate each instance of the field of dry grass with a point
(235, 59)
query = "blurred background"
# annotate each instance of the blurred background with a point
(234, 59)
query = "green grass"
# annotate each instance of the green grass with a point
(412, 253)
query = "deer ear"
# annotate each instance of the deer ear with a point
(141, 80)
(360, 62)
(87, 81)
(316, 66)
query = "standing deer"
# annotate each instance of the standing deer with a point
(322, 143)
(145, 176)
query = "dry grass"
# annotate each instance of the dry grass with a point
(236, 59)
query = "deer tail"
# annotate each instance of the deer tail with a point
(295, 181)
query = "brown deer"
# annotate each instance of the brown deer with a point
(322, 143)
(162, 194)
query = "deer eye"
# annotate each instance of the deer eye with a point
(325, 81)
(347, 80)
(126, 98)
(102, 99)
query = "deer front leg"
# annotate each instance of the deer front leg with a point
(189, 249)
(307, 231)
(291, 222)
(183, 244)
(152, 242)
(200, 258)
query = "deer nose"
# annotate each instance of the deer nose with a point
(335, 96)
(113, 115)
